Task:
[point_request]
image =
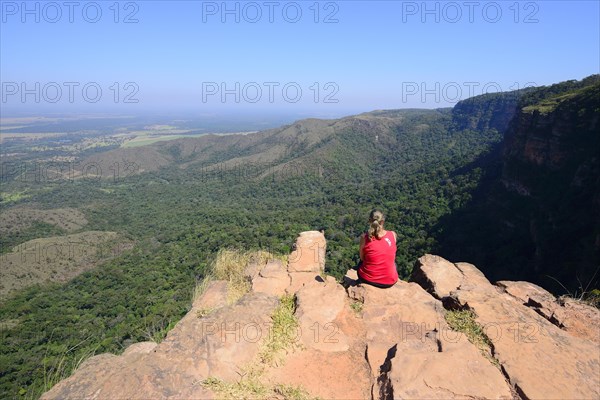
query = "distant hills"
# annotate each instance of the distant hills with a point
(356, 138)
(507, 181)
(541, 174)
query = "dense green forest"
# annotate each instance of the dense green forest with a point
(422, 168)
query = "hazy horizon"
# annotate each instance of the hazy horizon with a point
(284, 59)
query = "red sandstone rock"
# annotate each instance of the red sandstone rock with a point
(318, 306)
(272, 279)
(571, 315)
(309, 253)
(541, 360)
(363, 341)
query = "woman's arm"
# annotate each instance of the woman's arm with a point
(361, 249)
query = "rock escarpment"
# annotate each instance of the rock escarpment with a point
(355, 341)
(551, 165)
(535, 215)
(543, 191)
(488, 111)
(540, 360)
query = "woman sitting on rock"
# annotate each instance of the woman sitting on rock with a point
(377, 254)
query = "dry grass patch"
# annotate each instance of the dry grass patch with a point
(357, 307)
(230, 265)
(591, 298)
(249, 387)
(464, 321)
(282, 337)
(253, 389)
(283, 333)
(290, 392)
(200, 288)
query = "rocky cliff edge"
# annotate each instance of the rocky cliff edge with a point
(447, 334)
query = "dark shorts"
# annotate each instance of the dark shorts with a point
(379, 285)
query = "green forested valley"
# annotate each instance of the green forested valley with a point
(436, 173)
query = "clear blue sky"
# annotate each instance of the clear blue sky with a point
(179, 55)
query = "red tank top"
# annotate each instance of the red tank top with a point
(379, 264)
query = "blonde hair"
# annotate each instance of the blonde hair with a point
(376, 219)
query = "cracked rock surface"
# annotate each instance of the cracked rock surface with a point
(356, 341)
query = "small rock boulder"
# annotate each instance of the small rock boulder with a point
(309, 253)
(272, 279)
(318, 307)
(436, 273)
(300, 279)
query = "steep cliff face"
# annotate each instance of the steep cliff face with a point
(536, 216)
(355, 341)
(490, 111)
(558, 135)
(552, 161)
